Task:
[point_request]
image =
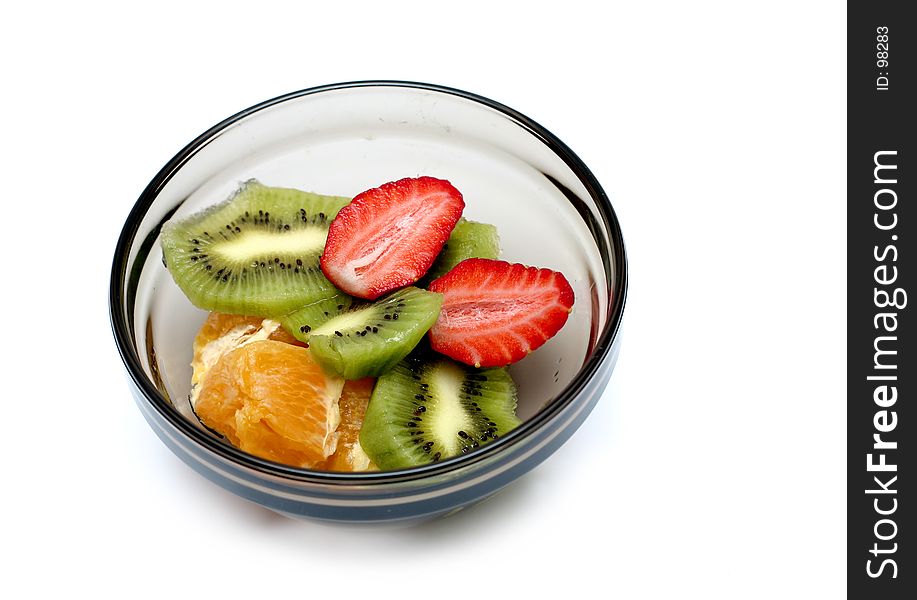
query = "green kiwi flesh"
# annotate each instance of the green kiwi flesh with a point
(257, 253)
(365, 339)
(429, 408)
(469, 239)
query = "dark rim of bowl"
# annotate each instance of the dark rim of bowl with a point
(122, 332)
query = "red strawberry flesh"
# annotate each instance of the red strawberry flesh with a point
(389, 236)
(494, 313)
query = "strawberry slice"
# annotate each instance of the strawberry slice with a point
(494, 313)
(388, 237)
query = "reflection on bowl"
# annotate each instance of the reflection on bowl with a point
(342, 139)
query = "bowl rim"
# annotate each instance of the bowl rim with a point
(123, 331)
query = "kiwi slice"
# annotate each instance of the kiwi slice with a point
(304, 319)
(469, 239)
(257, 253)
(365, 340)
(430, 408)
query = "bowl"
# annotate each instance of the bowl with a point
(342, 139)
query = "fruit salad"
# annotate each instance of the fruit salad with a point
(361, 334)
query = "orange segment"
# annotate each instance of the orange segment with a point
(349, 455)
(272, 399)
(221, 333)
(218, 324)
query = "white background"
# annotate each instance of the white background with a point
(713, 467)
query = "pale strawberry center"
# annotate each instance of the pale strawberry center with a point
(492, 313)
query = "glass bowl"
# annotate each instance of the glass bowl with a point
(342, 139)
